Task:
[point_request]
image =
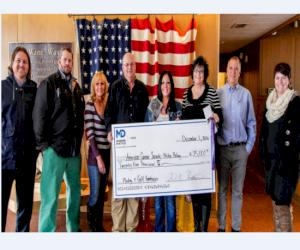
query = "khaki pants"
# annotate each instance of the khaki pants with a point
(124, 214)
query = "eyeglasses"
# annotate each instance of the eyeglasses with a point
(199, 71)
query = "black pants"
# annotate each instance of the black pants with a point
(201, 210)
(24, 191)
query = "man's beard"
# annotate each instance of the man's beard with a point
(66, 71)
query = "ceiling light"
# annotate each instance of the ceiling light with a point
(274, 33)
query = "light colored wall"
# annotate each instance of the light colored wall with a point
(36, 28)
(61, 28)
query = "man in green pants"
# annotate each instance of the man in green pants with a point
(58, 125)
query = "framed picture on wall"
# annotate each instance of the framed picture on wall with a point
(44, 57)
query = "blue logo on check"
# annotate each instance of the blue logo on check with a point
(120, 133)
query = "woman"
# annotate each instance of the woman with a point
(280, 146)
(99, 153)
(195, 99)
(164, 108)
(18, 143)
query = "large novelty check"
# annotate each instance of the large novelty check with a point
(163, 158)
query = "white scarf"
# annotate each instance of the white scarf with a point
(276, 106)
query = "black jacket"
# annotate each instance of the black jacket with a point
(123, 106)
(59, 116)
(18, 142)
(282, 166)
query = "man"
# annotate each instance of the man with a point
(236, 140)
(58, 126)
(127, 102)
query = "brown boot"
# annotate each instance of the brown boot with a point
(276, 217)
(282, 218)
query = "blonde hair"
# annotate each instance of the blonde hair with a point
(99, 76)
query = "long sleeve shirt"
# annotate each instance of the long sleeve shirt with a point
(95, 132)
(239, 123)
(124, 106)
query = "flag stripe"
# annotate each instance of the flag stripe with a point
(164, 37)
(184, 70)
(179, 82)
(170, 25)
(169, 47)
(166, 59)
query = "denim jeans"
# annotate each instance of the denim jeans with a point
(165, 204)
(97, 180)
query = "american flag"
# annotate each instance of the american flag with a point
(163, 47)
(102, 46)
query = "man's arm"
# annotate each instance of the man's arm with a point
(251, 124)
(41, 116)
(110, 107)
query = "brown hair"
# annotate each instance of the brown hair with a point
(284, 69)
(99, 76)
(13, 56)
(65, 49)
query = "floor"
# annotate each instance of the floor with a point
(256, 213)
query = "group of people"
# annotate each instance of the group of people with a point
(52, 119)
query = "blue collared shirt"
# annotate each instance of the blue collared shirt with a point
(239, 123)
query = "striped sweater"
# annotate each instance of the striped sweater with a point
(193, 108)
(95, 131)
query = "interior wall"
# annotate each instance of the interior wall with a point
(257, 73)
(284, 47)
(61, 28)
(36, 28)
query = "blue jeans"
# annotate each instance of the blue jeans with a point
(97, 180)
(165, 204)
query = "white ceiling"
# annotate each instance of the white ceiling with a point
(257, 25)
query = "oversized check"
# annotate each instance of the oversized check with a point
(163, 158)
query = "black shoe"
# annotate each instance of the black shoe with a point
(220, 230)
(235, 231)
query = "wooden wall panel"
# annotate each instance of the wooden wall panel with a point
(296, 73)
(284, 47)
